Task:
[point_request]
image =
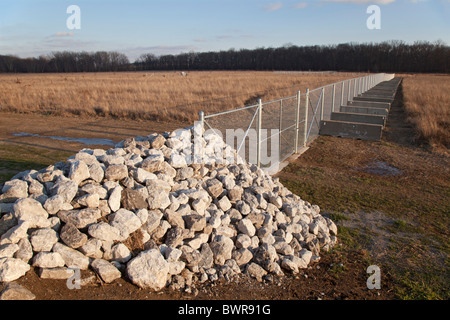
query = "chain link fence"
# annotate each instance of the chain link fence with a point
(267, 133)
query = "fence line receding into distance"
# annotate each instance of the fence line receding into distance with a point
(267, 133)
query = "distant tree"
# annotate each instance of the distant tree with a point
(388, 56)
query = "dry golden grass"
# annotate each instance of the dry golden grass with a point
(150, 95)
(427, 104)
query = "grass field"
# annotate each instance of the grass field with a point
(150, 95)
(391, 199)
(427, 104)
(399, 222)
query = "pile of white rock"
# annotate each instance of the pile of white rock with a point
(148, 212)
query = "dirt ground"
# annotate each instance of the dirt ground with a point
(25, 142)
(391, 199)
(74, 127)
(338, 275)
(341, 274)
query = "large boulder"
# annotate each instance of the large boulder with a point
(12, 269)
(28, 209)
(149, 270)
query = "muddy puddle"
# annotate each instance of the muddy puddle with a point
(86, 141)
(381, 168)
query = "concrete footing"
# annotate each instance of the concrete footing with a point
(365, 117)
(384, 105)
(359, 118)
(365, 110)
(373, 99)
(362, 131)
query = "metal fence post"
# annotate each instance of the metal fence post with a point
(322, 102)
(354, 89)
(258, 147)
(201, 116)
(281, 123)
(297, 122)
(349, 91)
(333, 98)
(342, 95)
(305, 137)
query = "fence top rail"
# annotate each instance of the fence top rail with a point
(230, 111)
(281, 99)
(352, 79)
(291, 97)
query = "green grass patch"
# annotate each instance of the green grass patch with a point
(416, 203)
(403, 226)
(336, 216)
(415, 286)
(17, 158)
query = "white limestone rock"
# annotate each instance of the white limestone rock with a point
(148, 270)
(106, 270)
(43, 239)
(12, 269)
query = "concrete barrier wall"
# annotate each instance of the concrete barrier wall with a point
(374, 99)
(359, 118)
(383, 105)
(365, 110)
(343, 129)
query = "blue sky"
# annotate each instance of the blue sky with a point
(29, 28)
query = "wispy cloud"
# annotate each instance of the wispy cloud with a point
(362, 1)
(273, 6)
(66, 43)
(234, 37)
(300, 5)
(224, 37)
(63, 34)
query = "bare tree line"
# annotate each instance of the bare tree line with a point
(391, 56)
(67, 61)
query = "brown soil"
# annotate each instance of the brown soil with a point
(19, 153)
(340, 274)
(74, 127)
(391, 199)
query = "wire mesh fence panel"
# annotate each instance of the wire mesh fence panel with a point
(288, 129)
(337, 97)
(303, 121)
(351, 90)
(278, 130)
(237, 129)
(284, 126)
(344, 94)
(314, 105)
(327, 105)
